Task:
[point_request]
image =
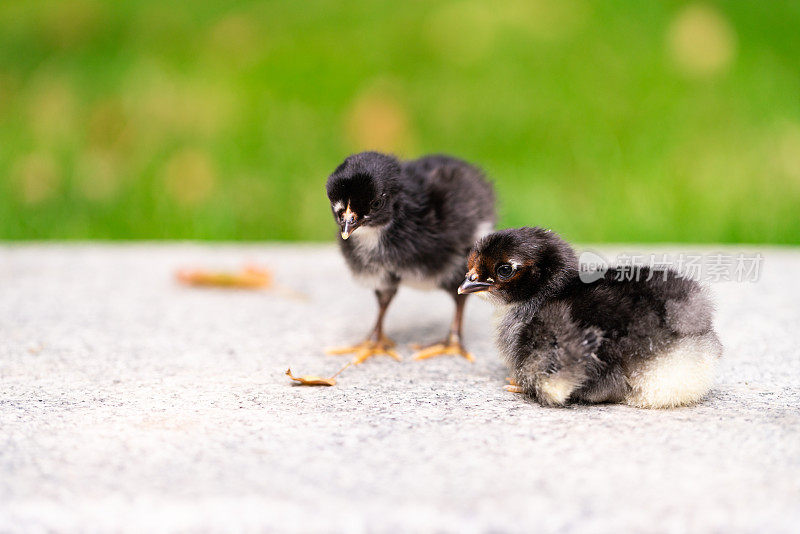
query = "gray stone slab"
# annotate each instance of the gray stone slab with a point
(131, 403)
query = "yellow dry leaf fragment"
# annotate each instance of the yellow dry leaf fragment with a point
(311, 380)
(250, 277)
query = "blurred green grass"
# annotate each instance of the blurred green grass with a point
(607, 121)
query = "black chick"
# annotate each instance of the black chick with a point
(642, 337)
(409, 222)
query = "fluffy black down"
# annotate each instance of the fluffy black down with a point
(591, 335)
(427, 211)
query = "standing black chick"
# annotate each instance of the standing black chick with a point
(409, 222)
(640, 337)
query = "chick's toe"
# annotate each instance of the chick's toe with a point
(452, 348)
(367, 349)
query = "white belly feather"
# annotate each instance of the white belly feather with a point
(681, 375)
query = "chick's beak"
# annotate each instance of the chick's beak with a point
(472, 286)
(350, 223)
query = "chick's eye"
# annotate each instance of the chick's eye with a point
(504, 271)
(376, 204)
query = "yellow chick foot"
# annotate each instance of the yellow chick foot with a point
(513, 387)
(367, 349)
(452, 347)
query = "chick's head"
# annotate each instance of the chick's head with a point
(519, 264)
(362, 190)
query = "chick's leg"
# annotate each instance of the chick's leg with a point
(376, 343)
(452, 345)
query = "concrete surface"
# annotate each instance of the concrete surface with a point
(130, 403)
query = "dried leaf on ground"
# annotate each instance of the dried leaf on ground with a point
(312, 380)
(251, 277)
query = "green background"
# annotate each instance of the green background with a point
(606, 121)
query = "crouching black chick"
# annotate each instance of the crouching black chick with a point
(409, 222)
(640, 337)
